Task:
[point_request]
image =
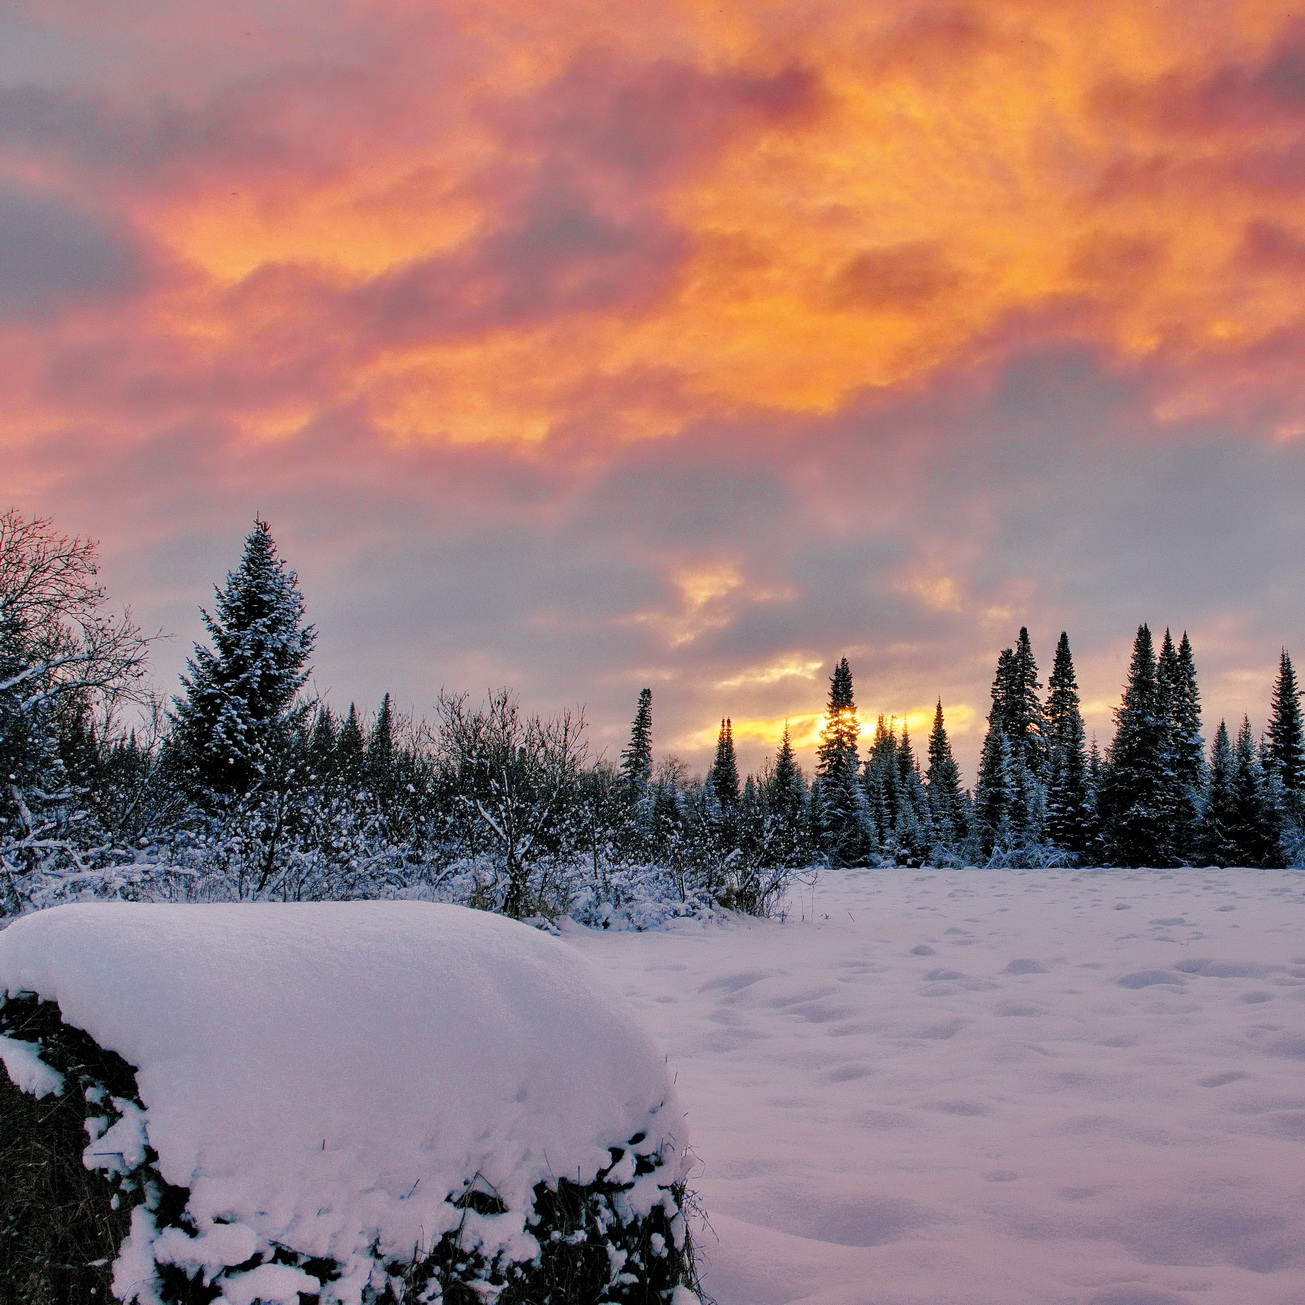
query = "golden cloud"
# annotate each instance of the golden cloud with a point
(774, 207)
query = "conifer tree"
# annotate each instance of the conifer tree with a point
(837, 799)
(1284, 745)
(1096, 769)
(1017, 713)
(913, 828)
(994, 794)
(380, 740)
(636, 759)
(786, 796)
(667, 817)
(1254, 829)
(1022, 710)
(350, 749)
(1069, 814)
(231, 726)
(1180, 710)
(947, 809)
(1185, 749)
(783, 830)
(1218, 842)
(882, 779)
(724, 775)
(381, 757)
(321, 744)
(1135, 796)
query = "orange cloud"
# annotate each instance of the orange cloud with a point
(472, 219)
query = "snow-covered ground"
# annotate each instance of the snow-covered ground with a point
(324, 1077)
(1014, 1087)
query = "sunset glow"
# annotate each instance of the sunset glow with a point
(580, 347)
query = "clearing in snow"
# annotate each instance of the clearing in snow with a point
(993, 1087)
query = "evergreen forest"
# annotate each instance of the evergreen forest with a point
(242, 786)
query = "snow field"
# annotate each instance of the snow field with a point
(1005, 1087)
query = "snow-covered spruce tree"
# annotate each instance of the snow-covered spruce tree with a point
(1180, 706)
(948, 810)
(913, 828)
(232, 726)
(1284, 748)
(1096, 770)
(724, 774)
(380, 740)
(994, 795)
(1019, 711)
(633, 834)
(351, 752)
(1135, 800)
(1069, 810)
(1015, 801)
(840, 825)
(382, 761)
(1218, 842)
(1185, 723)
(1254, 830)
(787, 839)
(636, 758)
(320, 745)
(881, 778)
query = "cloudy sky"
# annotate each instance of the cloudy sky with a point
(593, 344)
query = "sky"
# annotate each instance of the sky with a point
(586, 346)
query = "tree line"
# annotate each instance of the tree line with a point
(243, 786)
(1044, 795)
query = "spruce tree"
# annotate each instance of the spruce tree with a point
(321, 744)
(882, 779)
(994, 794)
(350, 750)
(1254, 829)
(232, 725)
(1284, 744)
(1069, 816)
(1135, 806)
(1180, 797)
(838, 800)
(786, 796)
(636, 760)
(380, 739)
(1218, 841)
(381, 759)
(913, 828)
(1185, 749)
(1017, 713)
(1023, 716)
(942, 779)
(724, 775)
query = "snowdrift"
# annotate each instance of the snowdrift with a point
(344, 1102)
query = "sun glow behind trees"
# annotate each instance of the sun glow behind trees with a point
(249, 789)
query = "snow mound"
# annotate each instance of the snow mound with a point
(334, 1079)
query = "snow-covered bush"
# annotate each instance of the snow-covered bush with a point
(351, 1103)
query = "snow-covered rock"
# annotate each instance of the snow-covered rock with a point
(330, 1079)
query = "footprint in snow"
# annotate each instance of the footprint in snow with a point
(1023, 965)
(1151, 979)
